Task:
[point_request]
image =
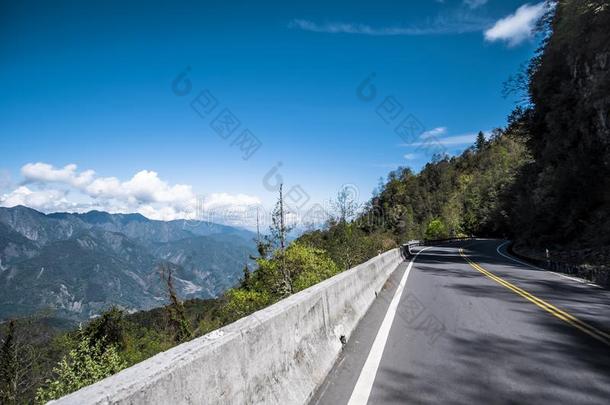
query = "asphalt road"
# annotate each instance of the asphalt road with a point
(472, 326)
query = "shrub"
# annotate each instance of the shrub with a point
(87, 363)
(243, 302)
(436, 229)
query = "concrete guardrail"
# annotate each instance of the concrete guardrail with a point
(278, 355)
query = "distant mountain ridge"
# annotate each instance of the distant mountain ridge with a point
(77, 265)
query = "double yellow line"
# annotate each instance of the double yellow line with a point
(553, 310)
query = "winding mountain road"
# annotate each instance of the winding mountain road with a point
(465, 323)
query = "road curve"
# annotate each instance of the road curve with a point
(465, 323)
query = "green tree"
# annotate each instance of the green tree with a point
(481, 142)
(241, 302)
(84, 365)
(108, 329)
(436, 229)
(8, 367)
(144, 342)
(308, 266)
(245, 280)
(305, 266)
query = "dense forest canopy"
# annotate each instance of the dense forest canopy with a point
(563, 195)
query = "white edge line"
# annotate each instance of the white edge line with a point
(364, 385)
(579, 280)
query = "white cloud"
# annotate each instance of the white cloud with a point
(518, 27)
(411, 156)
(37, 199)
(456, 23)
(146, 187)
(225, 200)
(437, 136)
(436, 132)
(475, 3)
(450, 140)
(107, 187)
(47, 189)
(162, 213)
(43, 172)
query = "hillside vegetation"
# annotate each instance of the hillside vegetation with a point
(562, 197)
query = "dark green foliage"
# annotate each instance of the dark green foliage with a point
(480, 142)
(83, 365)
(30, 349)
(8, 367)
(348, 244)
(563, 195)
(245, 281)
(107, 329)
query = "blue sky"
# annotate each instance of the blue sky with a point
(89, 117)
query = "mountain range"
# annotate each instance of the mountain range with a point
(77, 265)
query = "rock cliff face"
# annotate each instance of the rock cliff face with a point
(77, 265)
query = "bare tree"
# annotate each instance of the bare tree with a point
(263, 244)
(345, 206)
(177, 315)
(279, 232)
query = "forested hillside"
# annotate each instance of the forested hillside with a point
(458, 196)
(562, 196)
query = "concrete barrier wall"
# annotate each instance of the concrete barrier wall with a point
(278, 355)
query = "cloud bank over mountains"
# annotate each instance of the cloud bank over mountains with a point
(50, 189)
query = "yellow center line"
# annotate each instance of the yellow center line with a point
(564, 316)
